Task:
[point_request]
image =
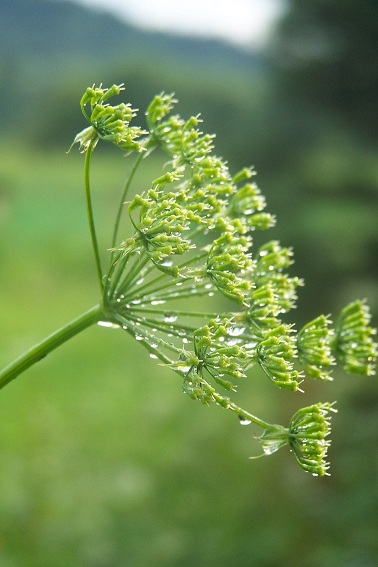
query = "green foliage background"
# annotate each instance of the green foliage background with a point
(104, 463)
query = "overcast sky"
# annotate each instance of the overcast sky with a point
(244, 22)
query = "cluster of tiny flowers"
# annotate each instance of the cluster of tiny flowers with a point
(192, 239)
(314, 342)
(354, 345)
(109, 123)
(276, 355)
(306, 436)
(308, 430)
(229, 264)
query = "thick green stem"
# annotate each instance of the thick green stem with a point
(49, 344)
(92, 228)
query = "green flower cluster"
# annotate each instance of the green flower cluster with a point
(354, 345)
(192, 239)
(306, 436)
(109, 123)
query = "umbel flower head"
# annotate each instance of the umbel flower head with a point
(306, 436)
(109, 123)
(188, 285)
(354, 345)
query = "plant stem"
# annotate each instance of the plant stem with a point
(122, 201)
(50, 343)
(92, 228)
(242, 414)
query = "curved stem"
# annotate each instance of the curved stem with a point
(243, 414)
(122, 201)
(49, 344)
(92, 228)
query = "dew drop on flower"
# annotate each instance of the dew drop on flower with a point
(170, 317)
(236, 331)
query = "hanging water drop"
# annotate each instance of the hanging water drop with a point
(236, 331)
(170, 317)
(108, 324)
(244, 421)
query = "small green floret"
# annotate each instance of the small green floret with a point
(354, 346)
(109, 123)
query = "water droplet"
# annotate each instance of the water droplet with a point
(236, 331)
(185, 368)
(138, 282)
(157, 301)
(179, 283)
(170, 317)
(136, 301)
(244, 421)
(250, 345)
(152, 355)
(108, 324)
(139, 338)
(167, 263)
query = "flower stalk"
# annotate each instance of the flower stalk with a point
(50, 343)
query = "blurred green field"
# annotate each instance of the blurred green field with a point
(104, 462)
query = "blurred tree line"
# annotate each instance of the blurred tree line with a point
(325, 73)
(304, 112)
